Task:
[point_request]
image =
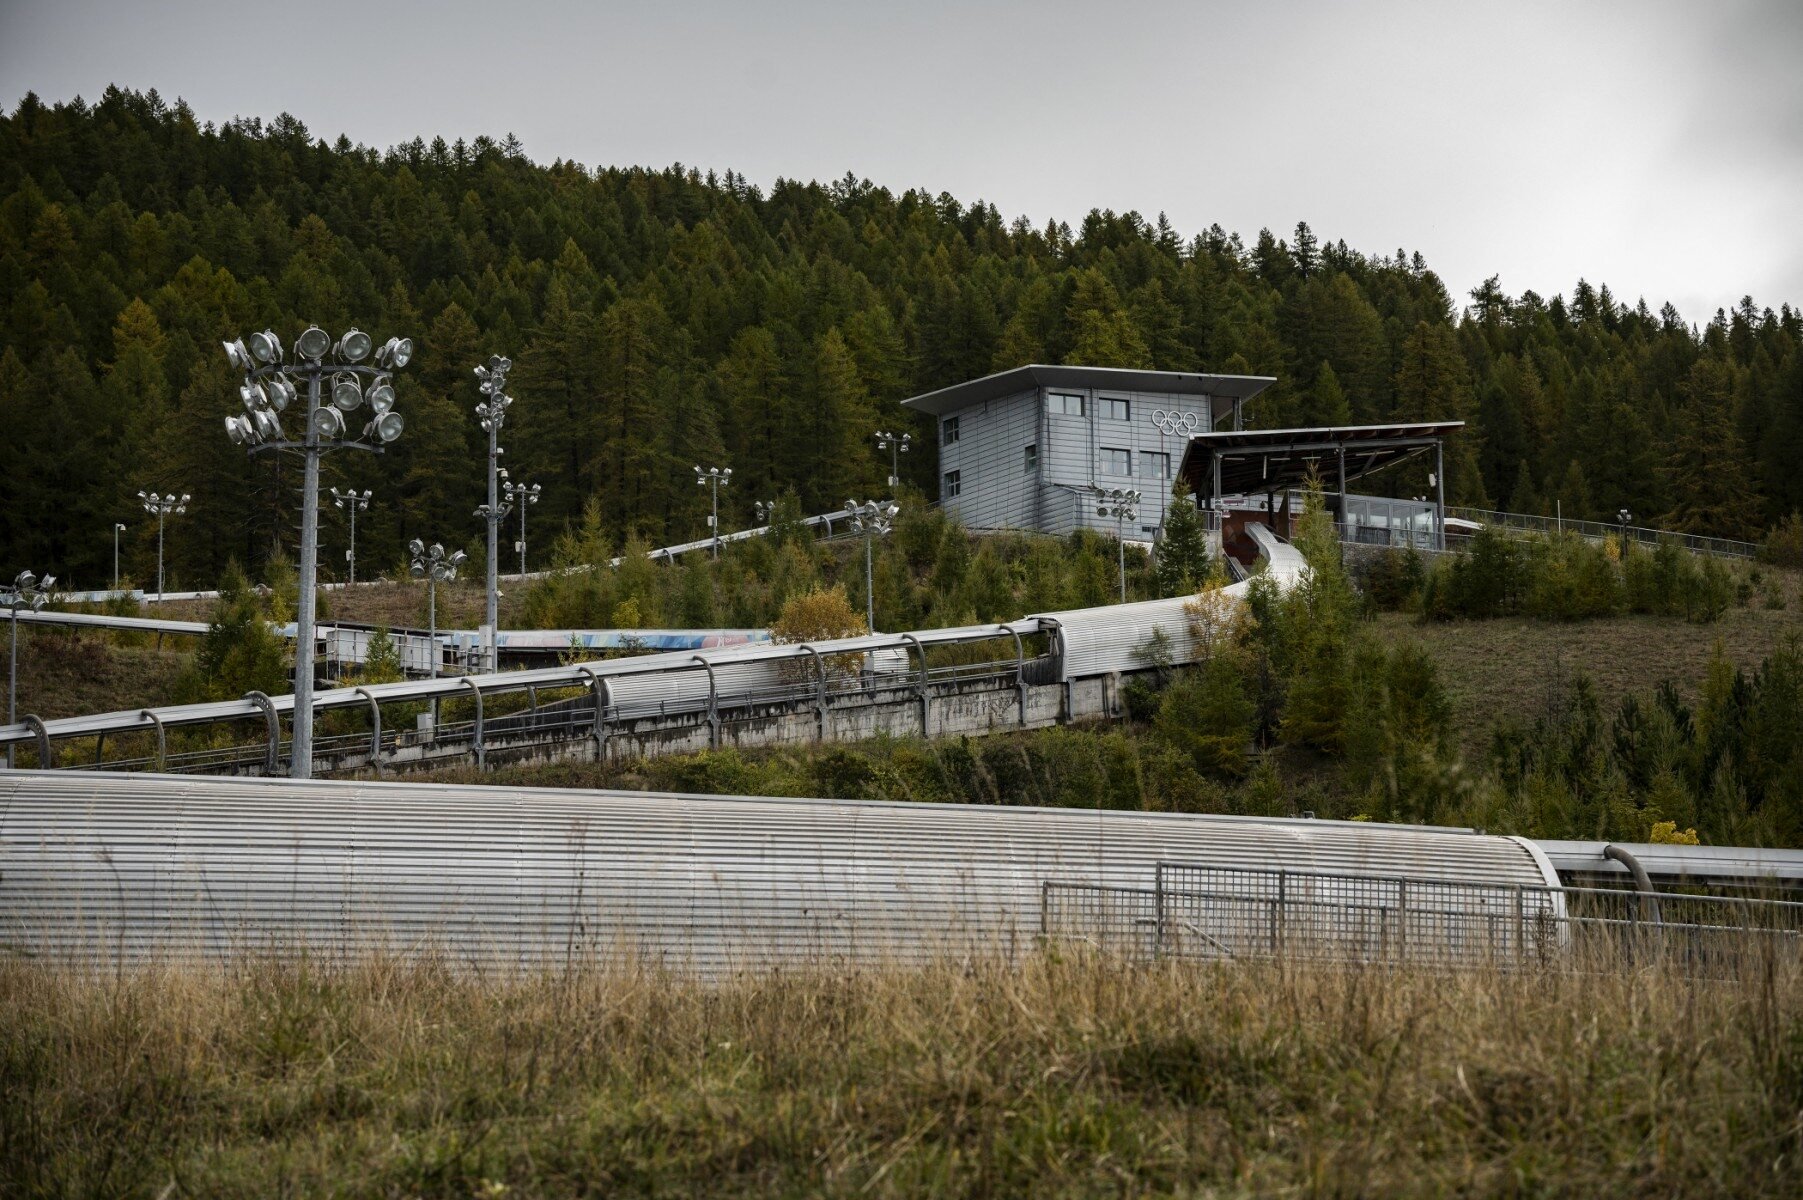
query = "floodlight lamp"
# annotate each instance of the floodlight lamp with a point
(253, 395)
(726, 472)
(346, 394)
(389, 426)
(396, 352)
(237, 355)
(459, 558)
(47, 582)
(238, 430)
(280, 391)
(497, 363)
(416, 547)
(417, 570)
(265, 424)
(25, 580)
(186, 497)
(354, 346)
(381, 397)
(314, 344)
(328, 423)
(266, 348)
(506, 365)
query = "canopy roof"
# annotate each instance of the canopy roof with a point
(1258, 460)
(1036, 375)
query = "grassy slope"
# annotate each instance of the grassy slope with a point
(1501, 669)
(1052, 1078)
(66, 674)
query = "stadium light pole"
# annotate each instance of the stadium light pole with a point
(333, 392)
(718, 478)
(161, 507)
(118, 528)
(519, 495)
(353, 502)
(433, 565)
(1123, 505)
(28, 591)
(873, 520)
(492, 411)
(897, 445)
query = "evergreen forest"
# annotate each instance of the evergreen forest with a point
(662, 318)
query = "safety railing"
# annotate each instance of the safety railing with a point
(1211, 912)
(1596, 530)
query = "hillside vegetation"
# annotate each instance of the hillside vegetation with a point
(660, 318)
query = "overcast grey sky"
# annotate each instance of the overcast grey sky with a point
(1653, 146)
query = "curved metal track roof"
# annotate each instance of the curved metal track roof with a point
(137, 866)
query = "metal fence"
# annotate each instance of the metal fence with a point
(1528, 523)
(1208, 912)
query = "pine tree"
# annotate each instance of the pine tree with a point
(1183, 559)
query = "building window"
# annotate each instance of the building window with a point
(948, 432)
(1117, 462)
(1029, 460)
(1155, 464)
(1069, 404)
(954, 484)
(1116, 410)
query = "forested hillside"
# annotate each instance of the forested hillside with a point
(663, 318)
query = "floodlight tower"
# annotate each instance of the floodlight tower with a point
(493, 414)
(718, 478)
(873, 520)
(433, 565)
(161, 507)
(519, 495)
(334, 391)
(896, 445)
(28, 591)
(353, 502)
(1123, 505)
(765, 510)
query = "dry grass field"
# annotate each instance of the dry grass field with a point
(1058, 1077)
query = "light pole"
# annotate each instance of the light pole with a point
(161, 506)
(718, 478)
(354, 502)
(1624, 518)
(334, 391)
(433, 565)
(27, 591)
(896, 445)
(765, 510)
(117, 530)
(493, 414)
(519, 495)
(1123, 505)
(873, 520)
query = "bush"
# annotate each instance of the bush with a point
(1391, 579)
(1784, 544)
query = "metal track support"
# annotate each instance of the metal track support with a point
(273, 758)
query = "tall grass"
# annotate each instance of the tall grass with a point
(1062, 1076)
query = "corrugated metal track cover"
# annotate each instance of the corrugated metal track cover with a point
(132, 867)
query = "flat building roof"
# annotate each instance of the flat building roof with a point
(1037, 375)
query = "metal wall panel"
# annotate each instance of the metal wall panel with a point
(109, 867)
